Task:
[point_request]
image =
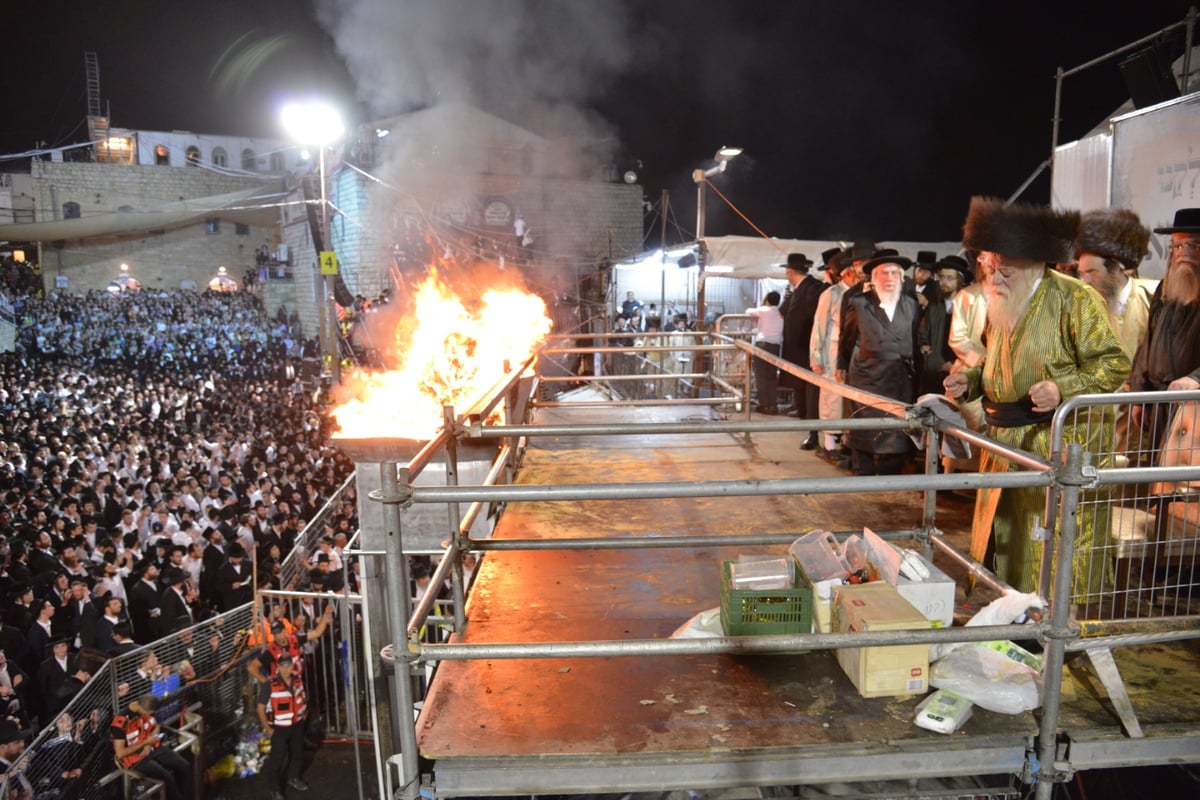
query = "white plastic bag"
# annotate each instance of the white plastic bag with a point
(988, 679)
(1004, 610)
(705, 625)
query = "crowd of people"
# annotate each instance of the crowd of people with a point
(158, 459)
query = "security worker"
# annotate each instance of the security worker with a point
(282, 710)
(137, 742)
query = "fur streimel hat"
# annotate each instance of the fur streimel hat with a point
(1113, 233)
(1032, 233)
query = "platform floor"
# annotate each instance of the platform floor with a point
(642, 723)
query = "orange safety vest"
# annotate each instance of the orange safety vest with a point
(288, 703)
(257, 637)
(137, 735)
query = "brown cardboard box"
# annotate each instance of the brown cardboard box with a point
(881, 671)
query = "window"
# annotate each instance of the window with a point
(71, 210)
(212, 225)
(219, 157)
(162, 156)
(192, 154)
(241, 229)
(248, 159)
(276, 162)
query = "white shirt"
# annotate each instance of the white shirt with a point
(770, 324)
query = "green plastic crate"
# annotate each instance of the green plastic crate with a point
(751, 612)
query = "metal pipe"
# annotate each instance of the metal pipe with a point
(473, 510)
(726, 644)
(657, 542)
(419, 613)
(980, 572)
(1059, 629)
(1020, 457)
(618, 378)
(453, 552)
(685, 428)
(399, 599)
(646, 348)
(857, 484)
(686, 401)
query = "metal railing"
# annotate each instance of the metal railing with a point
(1077, 484)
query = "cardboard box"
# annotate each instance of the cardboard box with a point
(933, 596)
(881, 671)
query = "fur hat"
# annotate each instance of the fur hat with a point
(1113, 233)
(1028, 232)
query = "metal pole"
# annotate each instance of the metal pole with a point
(331, 331)
(1059, 629)
(399, 600)
(454, 552)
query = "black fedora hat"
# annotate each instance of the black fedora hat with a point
(1187, 220)
(798, 262)
(886, 256)
(956, 263)
(925, 258)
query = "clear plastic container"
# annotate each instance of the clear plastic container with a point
(818, 555)
(762, 573)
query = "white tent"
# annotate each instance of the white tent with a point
(738, 272)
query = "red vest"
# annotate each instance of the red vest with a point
(287, 704)
(293, 647)
(137, 736)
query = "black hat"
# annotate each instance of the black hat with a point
(1187, 220)
(956, 263)
(284, 658)
(1019, 230)
(926, 259)
(173, 575)
(62, 638)
(322, 558)
(9, 732)
(798, 262)
(826, 255)
(885, 256)
(236, 550)
(862, 249)
(278, 627)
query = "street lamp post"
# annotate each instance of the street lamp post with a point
(701, 176)
(320, 125)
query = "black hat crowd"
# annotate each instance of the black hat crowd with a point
(148, 442)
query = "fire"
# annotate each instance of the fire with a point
(451, 354)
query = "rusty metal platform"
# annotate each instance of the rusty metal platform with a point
(598, 725)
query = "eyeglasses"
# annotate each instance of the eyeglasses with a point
(1189, 246)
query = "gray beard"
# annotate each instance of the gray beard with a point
(1181, 285)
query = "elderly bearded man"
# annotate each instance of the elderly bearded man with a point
(1169, 356)
(1048, 338)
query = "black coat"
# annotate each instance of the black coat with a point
(934, 333)
(878, 356)
(145, 611)
(227, 575)
(799, 310)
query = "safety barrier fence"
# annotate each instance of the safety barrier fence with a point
(1063, 477)
(297, 559)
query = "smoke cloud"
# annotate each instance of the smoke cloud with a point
(536, 62)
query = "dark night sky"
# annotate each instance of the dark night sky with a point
(858, 118)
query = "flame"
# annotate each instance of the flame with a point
(450, 354)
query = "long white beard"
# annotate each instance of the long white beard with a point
(887, 298)
(1005, 311)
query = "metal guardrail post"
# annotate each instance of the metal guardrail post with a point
(454, 552)
(394, 482)
(1059, 630)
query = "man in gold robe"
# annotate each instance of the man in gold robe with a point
(1048, 338)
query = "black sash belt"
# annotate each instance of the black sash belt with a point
(1014, 415)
